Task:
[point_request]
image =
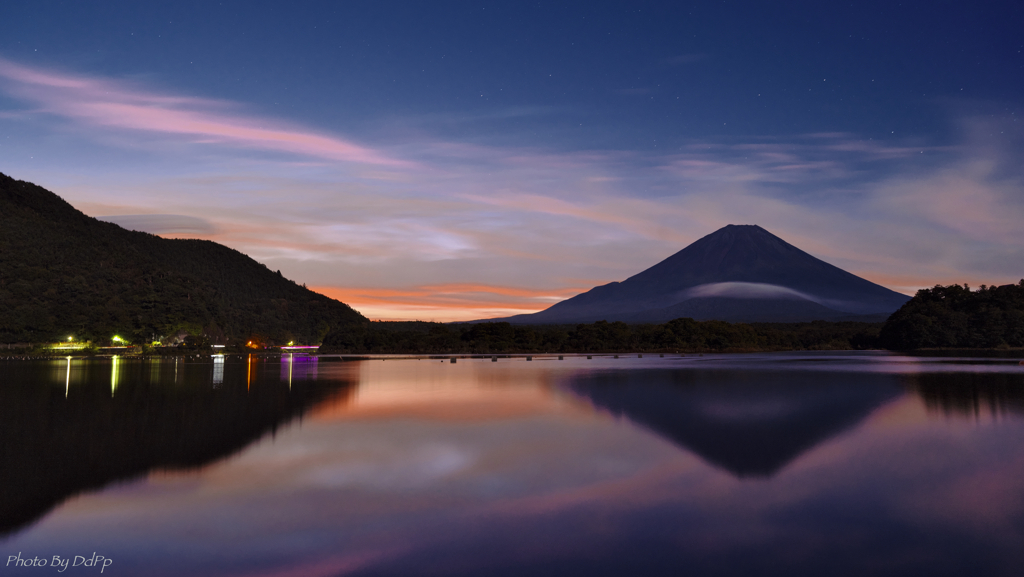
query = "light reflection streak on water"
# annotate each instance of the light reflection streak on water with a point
(113, 375)
(67, 381)
(218, 370)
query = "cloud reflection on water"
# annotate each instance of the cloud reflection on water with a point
(497, 468)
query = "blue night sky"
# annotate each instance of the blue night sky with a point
(456, 160)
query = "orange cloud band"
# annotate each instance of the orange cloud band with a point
(446, 302)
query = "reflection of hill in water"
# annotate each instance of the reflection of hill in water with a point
(749, 423)
(971, 394)
(161, 415)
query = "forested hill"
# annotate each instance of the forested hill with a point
(956, 317)
(64, 273)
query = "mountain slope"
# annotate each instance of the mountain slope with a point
(738, 273)
(64, 273)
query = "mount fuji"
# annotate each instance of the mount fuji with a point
(739, 273)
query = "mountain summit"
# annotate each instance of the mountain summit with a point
(739, 273)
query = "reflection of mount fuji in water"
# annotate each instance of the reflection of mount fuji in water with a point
(751, 424)
(738, 274)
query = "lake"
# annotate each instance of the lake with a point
(771, 464)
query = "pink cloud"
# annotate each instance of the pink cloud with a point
(426, 212)
(637, 218)
(112, 104)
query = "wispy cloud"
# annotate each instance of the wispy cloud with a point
(116, 105)
(440, 215)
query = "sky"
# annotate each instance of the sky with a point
(459, 160)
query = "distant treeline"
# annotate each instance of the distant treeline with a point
(680, 335)
(956, 317)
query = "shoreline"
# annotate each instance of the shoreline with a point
(1015, 353)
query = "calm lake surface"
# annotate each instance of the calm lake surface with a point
(778, 464)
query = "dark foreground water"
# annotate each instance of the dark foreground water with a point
(783, 464)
